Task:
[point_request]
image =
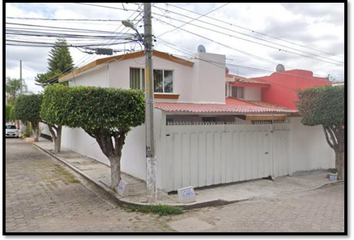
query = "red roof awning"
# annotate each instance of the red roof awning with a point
(241, 107)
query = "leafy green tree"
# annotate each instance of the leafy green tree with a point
(59, 62)
(8, 111)
(325, 106)
(13, 88)
(54, 99)
(27, 108)
(106, 114)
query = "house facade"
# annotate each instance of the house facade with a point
(210, 127)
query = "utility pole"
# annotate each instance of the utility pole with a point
(21, 76)
(149, 108)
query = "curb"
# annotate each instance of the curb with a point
(125, 203)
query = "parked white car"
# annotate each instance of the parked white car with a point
(12, 131)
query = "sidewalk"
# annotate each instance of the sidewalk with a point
(99, 174)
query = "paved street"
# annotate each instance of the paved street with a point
(42, 196)
(320, 210)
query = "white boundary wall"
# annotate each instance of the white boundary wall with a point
(310, 148)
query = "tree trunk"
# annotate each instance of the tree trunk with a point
(35, 131)
(57, 140)
(339, 164)
(115, 172)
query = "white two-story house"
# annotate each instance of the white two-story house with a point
(209, 129)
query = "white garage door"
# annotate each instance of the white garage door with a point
(204, 155)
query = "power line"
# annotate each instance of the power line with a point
(192, 56)
(230, 35)
(192, 19)
(224, 45)
(253, 31)
(88, 58)
(68, 19)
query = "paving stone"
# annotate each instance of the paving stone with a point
(40, 197)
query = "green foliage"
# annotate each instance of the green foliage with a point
(55, 104)
(59, 62)
(27, 130)
(8, 111)
(13, 88)
(12, 114)
(93, 108)
(162, 210)
(27, 107)
(332, 170)
(322, 105)
(44, 79)
(60, 58)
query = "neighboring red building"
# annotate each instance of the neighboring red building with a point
(284, 84)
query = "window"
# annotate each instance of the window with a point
(237, 92)
(163, 81)
(137, 78)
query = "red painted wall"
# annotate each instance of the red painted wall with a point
(283, 86)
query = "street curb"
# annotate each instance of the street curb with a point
(125, 203)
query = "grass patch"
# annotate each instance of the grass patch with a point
(67, 176)
(162, 210)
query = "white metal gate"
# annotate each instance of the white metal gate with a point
(204, 155)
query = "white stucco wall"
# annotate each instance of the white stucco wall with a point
(94, 77)
(208, 78)
(252, 94)
(119, 75)
(310, 149)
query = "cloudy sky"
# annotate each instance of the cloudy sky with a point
(254, 37)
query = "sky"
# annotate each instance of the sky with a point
(254, 37)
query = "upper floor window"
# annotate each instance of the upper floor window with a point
(163, 80)
(238, 92)
(137, 78)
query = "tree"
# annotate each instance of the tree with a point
(8, 111)
(27, 108)
(54, 99)
(59, 62)
(325, 106)
(106, 114)
(13, 88)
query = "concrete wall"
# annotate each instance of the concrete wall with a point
(309, 147)
(119, 75)
(252, 94)
(133, 155)
(282, 90)
(208, 78)
(93, 77)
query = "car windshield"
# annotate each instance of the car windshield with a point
(11, 127)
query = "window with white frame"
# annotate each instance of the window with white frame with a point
(163, 80)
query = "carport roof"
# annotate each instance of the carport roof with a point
(232, 106)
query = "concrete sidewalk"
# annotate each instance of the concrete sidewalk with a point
(99, 174)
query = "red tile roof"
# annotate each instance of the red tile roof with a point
(231, 106)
